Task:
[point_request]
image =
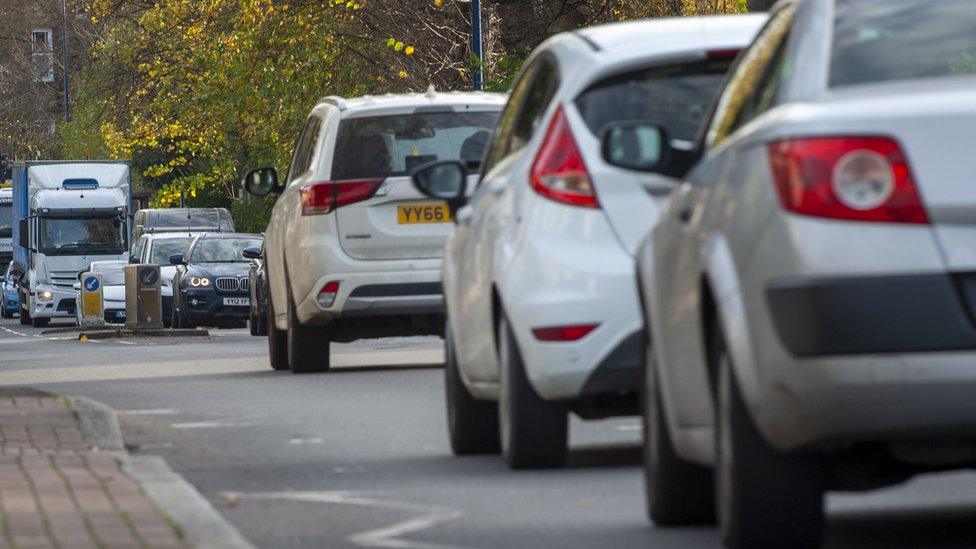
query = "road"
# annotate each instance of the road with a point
(359, 457)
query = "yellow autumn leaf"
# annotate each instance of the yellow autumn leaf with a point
(408, 50)
(403, 74)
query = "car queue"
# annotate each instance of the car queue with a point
(777, 260)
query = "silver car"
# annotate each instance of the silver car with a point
(811, 286)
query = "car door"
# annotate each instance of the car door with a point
(284, 215)
(490, 213)
(684, 232)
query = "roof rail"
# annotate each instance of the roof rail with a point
(339, 102)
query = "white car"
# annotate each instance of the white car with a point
(539, 278)
(113, 290)
(156, 248)
(810, 288)
(352, 249)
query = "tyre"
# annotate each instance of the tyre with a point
(308, 346)
(40, 322)
(678, 492)
(256, 326)
(534, 433)
(25, 318)
(277, 342)
(180, 321)
(472, 424)
(765, 498)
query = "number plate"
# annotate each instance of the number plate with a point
(238, 301)
(423, 213)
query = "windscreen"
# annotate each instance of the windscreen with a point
(164, 248)
(384, 146)
(222, 250)
(675, 97)
(68, 236)
(885, 40)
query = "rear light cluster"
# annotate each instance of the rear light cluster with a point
(326, 196)
(559, 172)
(327, 294)
(850, 178)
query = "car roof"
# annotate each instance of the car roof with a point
(214, 236)
(670, 34)
(409, 102)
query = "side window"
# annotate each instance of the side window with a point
(305, 147)
(518, 122)
(755, 79)
(536, 101)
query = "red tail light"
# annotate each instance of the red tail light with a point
(564, 333)
(325, 196)
(730, 53)
(327, 294)
(559, 172)
(850, 178)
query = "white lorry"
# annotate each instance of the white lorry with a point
(69, 213)
(6, 224)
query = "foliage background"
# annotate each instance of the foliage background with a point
(195, 92)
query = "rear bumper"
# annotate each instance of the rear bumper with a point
(376, 294)
(874, 315)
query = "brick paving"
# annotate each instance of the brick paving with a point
(55, 493)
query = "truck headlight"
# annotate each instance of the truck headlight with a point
(198, 281)
(46, 295)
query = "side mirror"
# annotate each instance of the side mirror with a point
(177, 259)
(252, 252)
(23, 239)
(636, 145)
(134, 260)
(262, 182)
(446, 180)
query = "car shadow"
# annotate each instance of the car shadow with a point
(929, 528)
(587, 457)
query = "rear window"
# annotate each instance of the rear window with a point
(674, 97)
(885, 40)
(164, 248)
(384, 146)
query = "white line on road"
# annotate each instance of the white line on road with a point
(300, 441)
(387, 536)
(9, 331)
(626, 428)
(150, 412)
(212, 424)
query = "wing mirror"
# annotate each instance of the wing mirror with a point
(262, 182)
(636, 145)
(177, 259)
(446, 180)
(252, 252)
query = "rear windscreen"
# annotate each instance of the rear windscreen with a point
(885, 40)
(384, 146)
(674, 97)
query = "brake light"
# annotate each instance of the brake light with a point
(559, 172)
(850, 178)
(325, 196)
(327, 294)
(730, 53)
(564, 333)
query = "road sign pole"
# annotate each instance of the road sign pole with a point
(476, 44)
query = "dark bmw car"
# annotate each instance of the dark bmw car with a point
(211, 285)
(258, 321)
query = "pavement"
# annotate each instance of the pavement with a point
(359, 457)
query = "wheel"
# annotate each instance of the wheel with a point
(256, 326)
(25, 318)
(180, 321)
(534, 433)
(678, 492)
(277, 341)
(765, 498)
(472, 424)
(40, 322)
(308, 346)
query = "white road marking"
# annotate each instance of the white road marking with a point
(9, 331)
(150, 412)
(211, 424)
(387, 536)
(156, 446)
(300, 441)
(126, 343)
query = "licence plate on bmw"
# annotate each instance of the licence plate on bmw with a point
(423, 213)
(237, 301)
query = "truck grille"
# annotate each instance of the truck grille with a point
(63, 279)
(228, 284)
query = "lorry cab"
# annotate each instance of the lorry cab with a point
(69, 215)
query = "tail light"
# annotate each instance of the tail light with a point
(325, 196)
(559, 172)
(327, 294)
(850, 178)
(563, 333)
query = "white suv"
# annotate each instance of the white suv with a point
(543, 258)
(352, 249)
